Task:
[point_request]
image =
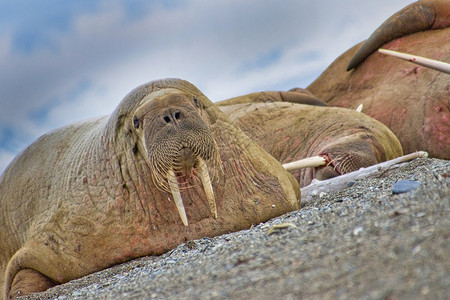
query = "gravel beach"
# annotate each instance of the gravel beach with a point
(364, 242)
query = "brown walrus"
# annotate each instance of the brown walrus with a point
(94, 194)
(347, 139)
(413, 101)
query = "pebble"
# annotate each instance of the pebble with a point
(420, 214)
(357, 230)
(404, 186)
(351, 183)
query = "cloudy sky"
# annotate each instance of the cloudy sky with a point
(63, 61)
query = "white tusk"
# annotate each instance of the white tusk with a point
(359, 108)
(310, 162)
(423, 61)
(173, 184)
(206, 181)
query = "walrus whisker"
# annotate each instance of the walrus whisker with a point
(338, 163)
(348, 165)
(310, 162)
(342, 167)
(206, 181)
(175, 190)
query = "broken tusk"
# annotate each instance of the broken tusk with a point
(173, 184)
(206, 181)
(310, 162)
(423, 61)
(359, 108)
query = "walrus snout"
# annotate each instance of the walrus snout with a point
(359, 149)
(186, 161)
(338, 163)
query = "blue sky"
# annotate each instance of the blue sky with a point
(64, 61)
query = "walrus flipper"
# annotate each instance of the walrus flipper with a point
(418, 16)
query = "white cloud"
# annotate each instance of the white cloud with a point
(216, 45)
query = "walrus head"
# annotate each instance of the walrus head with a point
(172, 144)
(348, 154)
(177, 143)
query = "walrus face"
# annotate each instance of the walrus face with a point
(349, 154)
(176, 143)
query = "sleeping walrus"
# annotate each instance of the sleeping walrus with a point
(94, 194)
(413, 101)
(289, 131)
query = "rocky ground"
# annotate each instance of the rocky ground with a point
(362, 242)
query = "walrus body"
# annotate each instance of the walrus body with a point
(290, 131)
(95, 194)
(413, 101)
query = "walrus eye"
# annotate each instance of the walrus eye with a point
(136, 122)
(196, 102)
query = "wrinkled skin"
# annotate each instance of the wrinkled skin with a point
(413, 101)
(348, 140)
(83, 197)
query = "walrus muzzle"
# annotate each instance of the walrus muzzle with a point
(178, 145)
(348, 155)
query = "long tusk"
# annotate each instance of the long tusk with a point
(173, 184)
(423, 61)
(314, 161)
(206, 181)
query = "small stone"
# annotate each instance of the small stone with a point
(420, 214)
(416, 249)
(76, 293)
(399, 212)
(404, 186)
(273, 205)
(351, 183)
(357, 230)
(425, 290)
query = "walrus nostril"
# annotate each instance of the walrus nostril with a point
(172, 116)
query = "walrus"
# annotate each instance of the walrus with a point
(98, 193)
(413, 101)
(290, 131)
